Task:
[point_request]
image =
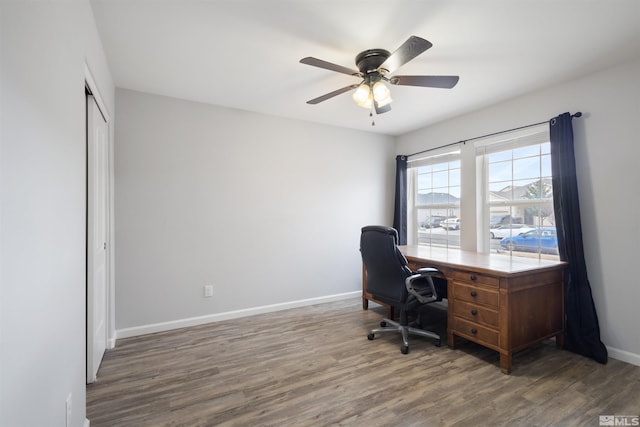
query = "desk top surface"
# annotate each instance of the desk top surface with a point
(500, 264)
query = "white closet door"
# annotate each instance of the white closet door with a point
(97, 175)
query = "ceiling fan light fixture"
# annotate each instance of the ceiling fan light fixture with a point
(368, 104)
(381, 93)
(362, 96)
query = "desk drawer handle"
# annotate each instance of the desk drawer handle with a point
(473, 277)
(474, 311)
(474, 294)
(474, 331)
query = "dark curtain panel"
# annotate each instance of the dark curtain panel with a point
(400, 210)
(583, 331)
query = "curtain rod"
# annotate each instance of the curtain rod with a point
(464, 141)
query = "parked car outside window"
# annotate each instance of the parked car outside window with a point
(499, 220)
(433, 221)
(509, 230)
(451, 223)
(544, 240)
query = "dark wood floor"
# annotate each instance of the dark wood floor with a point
(314, 366)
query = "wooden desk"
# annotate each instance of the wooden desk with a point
(503, 303)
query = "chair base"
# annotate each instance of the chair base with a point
(405, 331)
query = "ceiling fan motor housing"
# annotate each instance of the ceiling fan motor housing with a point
(369, 60)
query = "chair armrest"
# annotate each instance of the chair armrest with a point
(424, 291)
(428, 271)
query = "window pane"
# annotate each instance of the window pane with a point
(545, 170)
(454, 195)
(438, 204)
(520, 200)
(531, 150)
(526, 168)
(440, 166)
(441, 179)
(500, 171)
(424, 180)
(454, 177)
(500, 156)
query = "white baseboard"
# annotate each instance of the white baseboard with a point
(625, 356)
(111, 342)
(201, 320)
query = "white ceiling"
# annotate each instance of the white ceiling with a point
(245, 53)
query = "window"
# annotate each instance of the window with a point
(435, 193)
(517, 197)
(512, 211)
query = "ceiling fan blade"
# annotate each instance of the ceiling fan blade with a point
(444, 82)
(413, 47)
(383, 109)
(332, 94)
(329, 66)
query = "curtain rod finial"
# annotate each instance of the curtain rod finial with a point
(578, 114)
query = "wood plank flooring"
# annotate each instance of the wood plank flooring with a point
(314, 366)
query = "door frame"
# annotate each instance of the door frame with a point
(92, 87)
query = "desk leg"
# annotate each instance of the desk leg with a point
(366, 296)
(505, 363)
(365, 300)
(451, 340)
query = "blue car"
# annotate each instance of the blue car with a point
(542, 239)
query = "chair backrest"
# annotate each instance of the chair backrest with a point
(386, 267)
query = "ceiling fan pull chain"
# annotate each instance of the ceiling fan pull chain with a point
(373, 123)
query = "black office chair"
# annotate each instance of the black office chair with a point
(389, 280)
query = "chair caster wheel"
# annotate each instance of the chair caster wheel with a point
(404, 349)
(438, 342)
(371, 336)
(383, 324)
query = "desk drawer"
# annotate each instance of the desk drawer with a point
(482, 334)
(476, 313)
(475, 278)
(475, 294)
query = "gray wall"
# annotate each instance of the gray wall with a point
(44, 46)
(265, 209)
(607, 153)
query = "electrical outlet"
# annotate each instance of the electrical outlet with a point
(208, 291)
(68, 409)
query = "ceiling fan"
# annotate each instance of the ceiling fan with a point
(375, 66)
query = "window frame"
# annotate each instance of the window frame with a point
(447, 154)
(532, 136)
(474, 205)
